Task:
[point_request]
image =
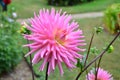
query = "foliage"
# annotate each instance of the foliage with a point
(66, 2)
(10, 51)
(112, 18)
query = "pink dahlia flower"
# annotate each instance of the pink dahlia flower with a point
(54, 40)
(101, 75)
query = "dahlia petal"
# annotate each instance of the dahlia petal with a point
(49, 68)
(67, 63)
(59, 57)
(54, 54)
(47, 53)
(57, 49)
(60, 68)
(82, 44)
(35, 26)
(30, 52)
(72, 59)
(67, 19)
(36, 58)
(53, 63)
(78, 32)
(75, 54)
(73, 26)
(62, 47)
(48, 47)
(67, 53)
(77, 49)
(38, 40)
(43, 51)
(26, 36)
(30, 28)
(76, 42)
(43, 64)
(72, 38)
(35, 47)
(45, 41)
(27, 45)
(52, 12)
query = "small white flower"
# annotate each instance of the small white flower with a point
(14, 14)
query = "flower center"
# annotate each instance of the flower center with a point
(60, 37)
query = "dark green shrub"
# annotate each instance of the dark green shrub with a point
(10, 50)
(66, 2)
(112, 18)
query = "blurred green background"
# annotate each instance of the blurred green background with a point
(26, 8)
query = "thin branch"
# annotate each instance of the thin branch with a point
(89, 49)
(87, 74)
(31, 63)
(36, 75)
(95, 69)
(88, 54)
(98, 67)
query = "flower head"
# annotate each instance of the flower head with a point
(55, 40)
(101, 75)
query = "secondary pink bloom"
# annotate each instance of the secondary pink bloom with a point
(55, 39)
(101, 75)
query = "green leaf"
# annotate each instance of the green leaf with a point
(79, 64)
(94, 50)
(111, 49)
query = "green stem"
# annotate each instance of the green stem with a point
(31, 63)
(88, 54)
(98, 67)
(87, 74)
(95, 69)
(89, 49)
(46, 76)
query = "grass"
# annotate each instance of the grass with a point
(25, 8)
(110, 62)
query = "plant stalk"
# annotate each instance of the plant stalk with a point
(88, 54)
(96, 69)
(89, 49)
(33, 78)
(46, 75)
